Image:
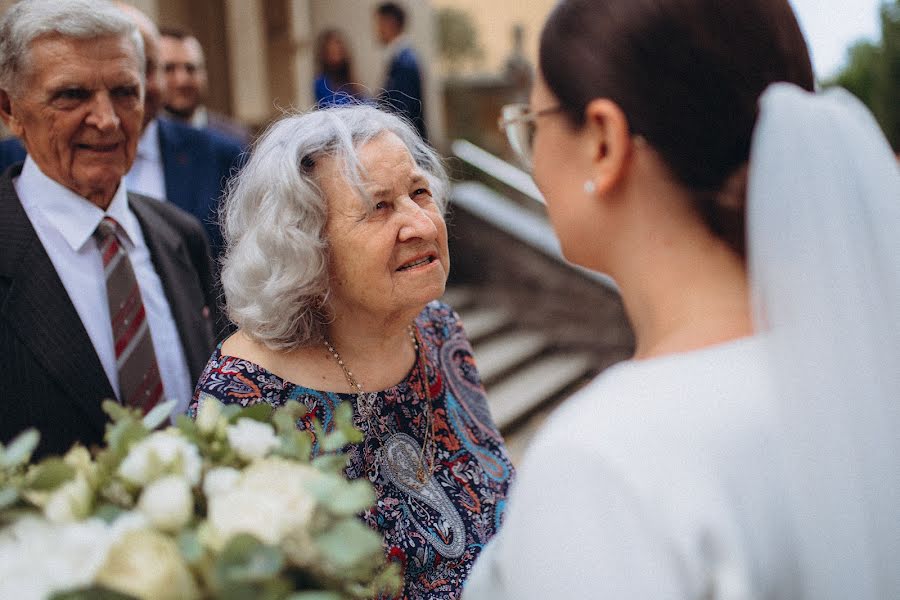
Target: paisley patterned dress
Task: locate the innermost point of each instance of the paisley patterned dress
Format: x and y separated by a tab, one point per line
436	530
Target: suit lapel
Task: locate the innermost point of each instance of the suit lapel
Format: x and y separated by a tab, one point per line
37	307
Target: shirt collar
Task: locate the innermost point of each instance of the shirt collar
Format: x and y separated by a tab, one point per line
148	145
74	217
396	45
200	118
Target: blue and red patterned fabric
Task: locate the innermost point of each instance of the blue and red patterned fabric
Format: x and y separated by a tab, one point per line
436	530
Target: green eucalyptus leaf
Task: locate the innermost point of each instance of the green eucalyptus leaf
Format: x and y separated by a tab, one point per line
231	412
19	450
349	544
116	411
190	546
351	497
295	409
334	441
49	475
246	559
108	512
124	434
283	421
261	411
158	415
8	497
343	422
331	463
92	593
188	427
315	596
296	445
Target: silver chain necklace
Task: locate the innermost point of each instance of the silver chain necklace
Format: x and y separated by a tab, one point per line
366	406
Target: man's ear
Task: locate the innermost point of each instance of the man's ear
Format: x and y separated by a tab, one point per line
6	113
610	140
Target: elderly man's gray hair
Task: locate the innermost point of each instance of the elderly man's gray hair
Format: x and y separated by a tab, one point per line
28	20
275	270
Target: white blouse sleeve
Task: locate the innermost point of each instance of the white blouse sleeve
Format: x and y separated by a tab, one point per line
576	529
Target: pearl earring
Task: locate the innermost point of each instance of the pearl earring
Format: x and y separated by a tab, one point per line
590	187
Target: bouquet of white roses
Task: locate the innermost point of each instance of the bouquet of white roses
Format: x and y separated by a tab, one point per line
228	506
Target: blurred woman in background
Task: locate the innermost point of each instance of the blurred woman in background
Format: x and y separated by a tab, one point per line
335	82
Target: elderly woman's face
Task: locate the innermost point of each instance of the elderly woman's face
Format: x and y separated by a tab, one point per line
393	259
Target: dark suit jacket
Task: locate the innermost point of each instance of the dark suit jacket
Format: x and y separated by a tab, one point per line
403	89
52	377
196	165
11	152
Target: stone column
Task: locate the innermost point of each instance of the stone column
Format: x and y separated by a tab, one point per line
246	34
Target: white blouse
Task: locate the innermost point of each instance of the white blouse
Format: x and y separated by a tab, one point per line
661	479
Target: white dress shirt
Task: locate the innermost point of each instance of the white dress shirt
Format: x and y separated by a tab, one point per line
146	175
65	223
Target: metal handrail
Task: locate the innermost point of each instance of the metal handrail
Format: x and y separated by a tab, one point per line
498	168
505	214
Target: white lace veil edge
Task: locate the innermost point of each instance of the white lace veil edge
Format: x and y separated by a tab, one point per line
823	228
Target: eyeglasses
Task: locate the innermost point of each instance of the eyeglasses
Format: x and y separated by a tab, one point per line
519	123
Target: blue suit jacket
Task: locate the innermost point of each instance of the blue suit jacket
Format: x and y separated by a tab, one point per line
11	152
196	165
403	89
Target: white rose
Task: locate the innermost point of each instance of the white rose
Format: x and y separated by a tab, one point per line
147	564
39	558
161	453
270	501
168	502
219	480
208	412
251	439
69	502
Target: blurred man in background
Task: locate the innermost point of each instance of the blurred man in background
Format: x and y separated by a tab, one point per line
184	67
403	91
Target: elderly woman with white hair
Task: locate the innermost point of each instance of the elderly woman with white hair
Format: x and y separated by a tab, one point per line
336	253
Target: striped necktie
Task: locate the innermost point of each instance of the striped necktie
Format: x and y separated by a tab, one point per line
140	385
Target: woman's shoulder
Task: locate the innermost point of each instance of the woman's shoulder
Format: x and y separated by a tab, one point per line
234	380
439	322
672	408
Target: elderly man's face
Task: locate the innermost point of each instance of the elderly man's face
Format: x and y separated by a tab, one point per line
79	112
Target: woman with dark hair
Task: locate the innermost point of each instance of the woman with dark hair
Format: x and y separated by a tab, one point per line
335	82
749	449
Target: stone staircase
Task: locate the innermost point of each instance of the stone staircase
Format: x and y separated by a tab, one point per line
521	367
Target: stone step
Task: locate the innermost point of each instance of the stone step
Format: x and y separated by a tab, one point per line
459	297
481	322
501	353
524	391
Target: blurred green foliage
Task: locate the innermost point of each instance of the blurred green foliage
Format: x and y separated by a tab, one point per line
872	73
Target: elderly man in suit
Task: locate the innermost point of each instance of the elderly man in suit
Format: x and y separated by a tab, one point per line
103	293
174	162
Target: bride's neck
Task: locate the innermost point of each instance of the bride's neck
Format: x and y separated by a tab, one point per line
687	298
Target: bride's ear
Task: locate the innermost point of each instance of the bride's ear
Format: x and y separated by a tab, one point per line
609	143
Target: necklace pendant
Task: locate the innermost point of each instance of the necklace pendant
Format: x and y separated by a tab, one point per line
421	476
